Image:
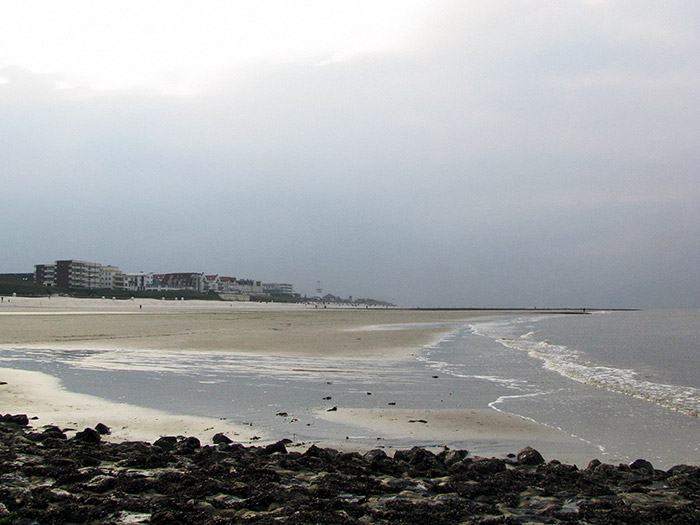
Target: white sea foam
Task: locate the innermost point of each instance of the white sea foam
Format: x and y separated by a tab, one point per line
501	399
427	356
209	365
574	365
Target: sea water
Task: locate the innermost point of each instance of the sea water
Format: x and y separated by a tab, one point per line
623	383
626	382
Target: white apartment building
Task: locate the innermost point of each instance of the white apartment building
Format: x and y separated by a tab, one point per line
212	283
278	288
248	286
138	282
111	278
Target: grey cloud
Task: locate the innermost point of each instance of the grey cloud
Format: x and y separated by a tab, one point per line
535	158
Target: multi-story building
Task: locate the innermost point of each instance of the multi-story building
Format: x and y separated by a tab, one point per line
82	274
249	286
69	274
183	281
77	274
278	288
231	285
138	282
212	283
111	278
228	284
45	274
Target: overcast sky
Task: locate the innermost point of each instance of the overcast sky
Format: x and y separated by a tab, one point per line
430	153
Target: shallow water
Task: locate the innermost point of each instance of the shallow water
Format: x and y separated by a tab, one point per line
623	381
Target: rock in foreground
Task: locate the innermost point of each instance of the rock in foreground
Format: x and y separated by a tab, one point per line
46	478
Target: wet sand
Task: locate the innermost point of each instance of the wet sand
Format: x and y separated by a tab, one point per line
488	432
42	397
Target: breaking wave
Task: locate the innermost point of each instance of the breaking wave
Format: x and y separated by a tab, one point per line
572	364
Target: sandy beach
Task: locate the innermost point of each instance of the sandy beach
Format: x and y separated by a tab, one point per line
255	328
242	328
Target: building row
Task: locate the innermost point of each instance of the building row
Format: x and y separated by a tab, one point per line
79	274
90	275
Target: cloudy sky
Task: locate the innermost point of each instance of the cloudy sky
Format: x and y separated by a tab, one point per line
431	153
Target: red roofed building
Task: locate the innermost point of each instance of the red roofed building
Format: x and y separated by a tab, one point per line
183	281
212	283
228	284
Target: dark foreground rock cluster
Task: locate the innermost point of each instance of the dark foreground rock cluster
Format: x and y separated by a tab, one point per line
47	478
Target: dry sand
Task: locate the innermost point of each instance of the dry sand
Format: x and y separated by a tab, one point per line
269	329
251	328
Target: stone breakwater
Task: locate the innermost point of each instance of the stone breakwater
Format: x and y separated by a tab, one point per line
45	477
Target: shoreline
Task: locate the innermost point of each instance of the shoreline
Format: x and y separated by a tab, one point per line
252	330
488	432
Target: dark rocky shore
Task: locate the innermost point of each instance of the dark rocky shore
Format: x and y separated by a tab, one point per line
47	478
